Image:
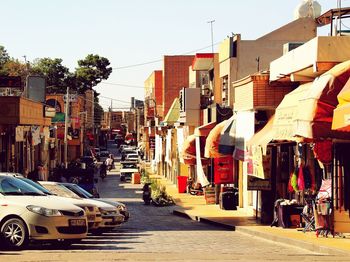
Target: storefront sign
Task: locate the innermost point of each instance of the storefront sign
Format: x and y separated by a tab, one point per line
223	170
19	134
259	177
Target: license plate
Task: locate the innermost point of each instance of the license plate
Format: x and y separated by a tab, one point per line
90	217
77	222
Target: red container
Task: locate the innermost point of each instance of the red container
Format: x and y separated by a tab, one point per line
182	184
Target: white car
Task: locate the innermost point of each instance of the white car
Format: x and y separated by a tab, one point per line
111	217
28	214
92	212
132	157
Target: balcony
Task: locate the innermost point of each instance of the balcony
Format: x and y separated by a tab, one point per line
17	110
310	60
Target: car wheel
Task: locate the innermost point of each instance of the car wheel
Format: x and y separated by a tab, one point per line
14	233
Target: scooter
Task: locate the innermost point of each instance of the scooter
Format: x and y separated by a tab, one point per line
195	189
146	194
103	171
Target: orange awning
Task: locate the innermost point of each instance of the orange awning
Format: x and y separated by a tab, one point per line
204	130
189	150
315	114
213	140
341	115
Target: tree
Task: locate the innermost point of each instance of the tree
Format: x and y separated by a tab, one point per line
57	75
14	67
4	56
91	71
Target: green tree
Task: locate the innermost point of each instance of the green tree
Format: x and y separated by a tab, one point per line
91	71
14	67
4	56
57	75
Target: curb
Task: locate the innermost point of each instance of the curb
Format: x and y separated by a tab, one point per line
203	220
267	236
293	242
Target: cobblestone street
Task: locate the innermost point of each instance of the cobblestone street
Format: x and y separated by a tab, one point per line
154	233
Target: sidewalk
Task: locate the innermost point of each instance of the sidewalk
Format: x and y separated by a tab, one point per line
195	208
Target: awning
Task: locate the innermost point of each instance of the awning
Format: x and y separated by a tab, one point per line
341	115
227	138
203	61
213	139
257	147
284	126
173	114
315	114
188	152
204	129
263	137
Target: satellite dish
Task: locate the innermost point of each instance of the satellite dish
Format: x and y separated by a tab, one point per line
307	8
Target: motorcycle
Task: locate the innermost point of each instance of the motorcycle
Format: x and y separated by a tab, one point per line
146	193
103	171
195	189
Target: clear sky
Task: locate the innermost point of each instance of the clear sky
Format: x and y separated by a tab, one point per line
131	32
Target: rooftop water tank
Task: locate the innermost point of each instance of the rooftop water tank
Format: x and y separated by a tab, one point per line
307	8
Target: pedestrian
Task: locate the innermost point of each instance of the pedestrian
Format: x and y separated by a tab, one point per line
109	163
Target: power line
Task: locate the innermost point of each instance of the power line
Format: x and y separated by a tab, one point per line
160	60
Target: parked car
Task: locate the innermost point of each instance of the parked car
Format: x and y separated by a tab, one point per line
93	213
104	155
84	194
28	214
111	217
132	157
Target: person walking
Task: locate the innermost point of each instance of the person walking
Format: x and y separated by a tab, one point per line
109	162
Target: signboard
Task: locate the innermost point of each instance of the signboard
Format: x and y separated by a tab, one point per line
36	88
223	170
256	182
72	98
152	142
10	82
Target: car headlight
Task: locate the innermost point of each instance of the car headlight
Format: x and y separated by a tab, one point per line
44	211
121	207
108	212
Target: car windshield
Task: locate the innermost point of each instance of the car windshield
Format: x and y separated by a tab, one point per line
60	190
14	186
78	190
36	185
132	156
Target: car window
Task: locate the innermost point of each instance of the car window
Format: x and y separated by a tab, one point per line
79	191
14	186
60	190
36	185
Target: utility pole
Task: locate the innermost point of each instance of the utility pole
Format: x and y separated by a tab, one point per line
212	38
66	109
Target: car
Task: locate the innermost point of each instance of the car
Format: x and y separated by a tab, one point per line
89	161
93	214
85	194
27	214
126	173
104	155
132	157
111	217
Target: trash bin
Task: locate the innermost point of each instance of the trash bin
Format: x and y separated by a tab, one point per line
229	199
136	178
182	184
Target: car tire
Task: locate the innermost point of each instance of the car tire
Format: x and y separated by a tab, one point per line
14	234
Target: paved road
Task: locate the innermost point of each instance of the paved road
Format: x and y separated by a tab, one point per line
154	234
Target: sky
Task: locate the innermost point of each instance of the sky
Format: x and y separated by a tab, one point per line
133	32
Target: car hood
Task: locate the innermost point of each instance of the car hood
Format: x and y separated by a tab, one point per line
110	202
74	201
102	205
42	201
